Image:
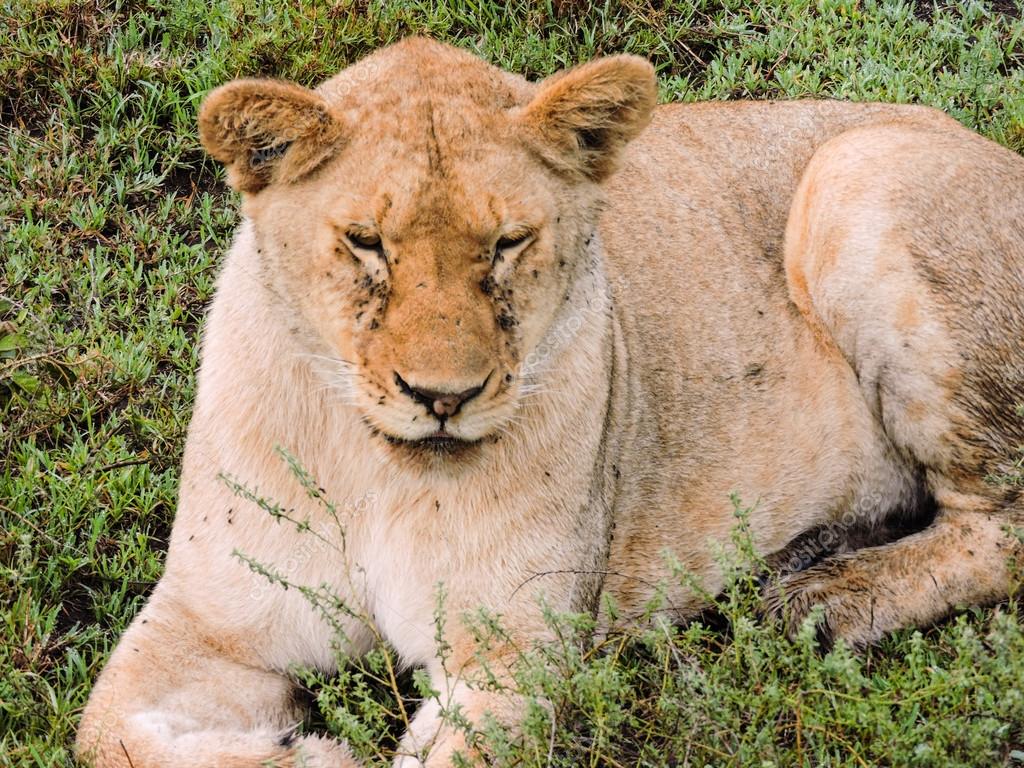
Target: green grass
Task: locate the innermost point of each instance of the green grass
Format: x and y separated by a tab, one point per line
113	224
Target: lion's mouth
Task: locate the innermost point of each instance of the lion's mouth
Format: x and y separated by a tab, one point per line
440	443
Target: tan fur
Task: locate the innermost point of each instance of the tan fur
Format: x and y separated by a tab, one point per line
815	305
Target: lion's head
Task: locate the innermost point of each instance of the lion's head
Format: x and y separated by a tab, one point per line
425	215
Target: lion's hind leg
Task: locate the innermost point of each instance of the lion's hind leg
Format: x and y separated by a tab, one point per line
168	697
903	255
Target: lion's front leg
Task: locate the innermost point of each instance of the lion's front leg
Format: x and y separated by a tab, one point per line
445	725
174	695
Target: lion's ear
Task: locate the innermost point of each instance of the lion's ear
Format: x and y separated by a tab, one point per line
580	119
267	130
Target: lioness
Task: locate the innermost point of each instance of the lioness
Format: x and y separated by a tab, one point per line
529	337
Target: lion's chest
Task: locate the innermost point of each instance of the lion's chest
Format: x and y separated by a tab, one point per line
422	561
430	558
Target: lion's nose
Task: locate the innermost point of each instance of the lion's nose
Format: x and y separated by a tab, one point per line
441	404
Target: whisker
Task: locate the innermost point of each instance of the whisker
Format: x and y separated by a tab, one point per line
533	391
326	358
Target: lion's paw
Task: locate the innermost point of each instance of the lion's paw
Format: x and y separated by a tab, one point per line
851	609
321	752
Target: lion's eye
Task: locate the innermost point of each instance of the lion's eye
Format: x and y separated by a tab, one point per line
512	242
369	241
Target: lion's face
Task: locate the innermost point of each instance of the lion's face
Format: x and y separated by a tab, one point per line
427	232
431	290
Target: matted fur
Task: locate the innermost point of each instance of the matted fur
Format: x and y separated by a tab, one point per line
813	304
